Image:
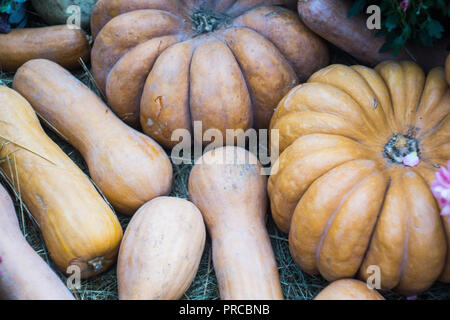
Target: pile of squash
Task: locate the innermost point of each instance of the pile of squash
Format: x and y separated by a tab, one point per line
359	151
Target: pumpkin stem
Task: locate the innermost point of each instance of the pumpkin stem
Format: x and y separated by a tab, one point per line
96	264
205	20
400	147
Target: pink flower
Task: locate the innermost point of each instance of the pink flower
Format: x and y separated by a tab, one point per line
441	189
404	5
411	160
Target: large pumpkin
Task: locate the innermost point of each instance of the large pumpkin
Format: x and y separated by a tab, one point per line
226	63
347	186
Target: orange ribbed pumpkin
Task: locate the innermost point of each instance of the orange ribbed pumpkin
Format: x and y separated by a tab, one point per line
167	63
342	189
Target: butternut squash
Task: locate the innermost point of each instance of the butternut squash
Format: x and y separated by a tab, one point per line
227	186
161	250
23	274
129	167
78	226
348	289
57	43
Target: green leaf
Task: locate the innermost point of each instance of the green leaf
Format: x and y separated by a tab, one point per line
381	33
392	22
428	3
357	8
398	44
5	7
385	4
406	33
8	6
425	38
434	28
412	17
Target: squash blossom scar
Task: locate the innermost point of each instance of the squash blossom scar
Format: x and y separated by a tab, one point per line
411	160
403	149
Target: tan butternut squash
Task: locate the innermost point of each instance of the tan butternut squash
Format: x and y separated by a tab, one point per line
129	167
227	186
57	43
161	250
348	289
78	226
23	274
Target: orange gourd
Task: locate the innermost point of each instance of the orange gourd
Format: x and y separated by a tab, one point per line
58	43
161	250
360	147
227	186
348	289
167	63
128	167
78	226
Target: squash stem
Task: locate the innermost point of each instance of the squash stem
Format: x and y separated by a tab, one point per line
96	264
205	20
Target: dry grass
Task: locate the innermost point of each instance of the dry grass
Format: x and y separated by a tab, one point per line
295	283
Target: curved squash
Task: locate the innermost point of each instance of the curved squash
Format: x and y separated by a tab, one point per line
129	167
57	43
227	186
161	250
78	226
348	289
360	147
23	274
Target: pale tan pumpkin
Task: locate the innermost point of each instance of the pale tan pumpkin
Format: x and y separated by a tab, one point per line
23	274
161	250
228	187
341	189
78	226
348	289
168	63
